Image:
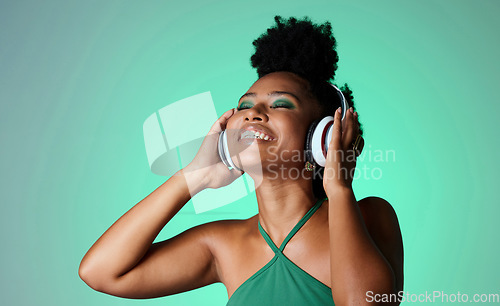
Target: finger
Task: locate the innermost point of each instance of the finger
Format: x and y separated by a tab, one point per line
220	124
348	129
335	142
355	133
356	123
344	121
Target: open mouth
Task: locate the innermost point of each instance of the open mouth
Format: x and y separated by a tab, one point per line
254	134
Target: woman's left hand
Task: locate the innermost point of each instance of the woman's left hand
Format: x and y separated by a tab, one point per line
341	159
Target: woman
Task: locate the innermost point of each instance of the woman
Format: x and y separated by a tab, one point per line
337	249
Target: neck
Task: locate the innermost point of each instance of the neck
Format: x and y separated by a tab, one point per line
282	203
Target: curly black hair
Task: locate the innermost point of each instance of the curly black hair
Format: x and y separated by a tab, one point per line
308	50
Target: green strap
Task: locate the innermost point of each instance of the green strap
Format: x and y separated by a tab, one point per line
294	230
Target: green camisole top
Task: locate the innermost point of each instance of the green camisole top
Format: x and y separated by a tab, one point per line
280	281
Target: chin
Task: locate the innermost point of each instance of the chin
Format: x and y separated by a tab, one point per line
255	156
249	159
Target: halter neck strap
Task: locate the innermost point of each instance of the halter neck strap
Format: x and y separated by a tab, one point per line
294	230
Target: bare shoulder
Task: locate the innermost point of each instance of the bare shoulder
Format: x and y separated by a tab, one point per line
220	236
224	236
216	232
380	219
228	228
383	226
229	242
378	214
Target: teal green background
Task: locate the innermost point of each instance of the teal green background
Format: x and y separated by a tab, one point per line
78	79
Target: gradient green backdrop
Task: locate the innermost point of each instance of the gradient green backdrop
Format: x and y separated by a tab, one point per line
78	79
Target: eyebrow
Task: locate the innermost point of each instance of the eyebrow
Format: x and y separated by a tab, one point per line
272	93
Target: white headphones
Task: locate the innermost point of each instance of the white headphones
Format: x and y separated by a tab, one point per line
317	139
224	151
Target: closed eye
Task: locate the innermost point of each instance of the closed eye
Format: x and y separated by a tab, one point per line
242	107
280	105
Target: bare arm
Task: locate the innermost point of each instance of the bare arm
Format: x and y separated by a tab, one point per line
365	240
124	262
366	258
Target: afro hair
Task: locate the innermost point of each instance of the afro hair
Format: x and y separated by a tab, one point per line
308	50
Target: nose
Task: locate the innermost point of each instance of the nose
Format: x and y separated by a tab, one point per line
256	113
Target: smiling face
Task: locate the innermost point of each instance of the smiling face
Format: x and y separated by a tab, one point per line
270	125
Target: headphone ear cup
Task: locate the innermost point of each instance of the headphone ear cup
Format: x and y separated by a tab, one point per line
309	144
221	149
224	154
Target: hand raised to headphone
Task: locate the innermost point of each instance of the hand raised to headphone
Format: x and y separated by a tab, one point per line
206	170
341	159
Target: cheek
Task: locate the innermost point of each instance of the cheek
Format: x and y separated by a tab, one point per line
300	126
294	135
232	130
230	124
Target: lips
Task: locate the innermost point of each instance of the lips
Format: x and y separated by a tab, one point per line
256	132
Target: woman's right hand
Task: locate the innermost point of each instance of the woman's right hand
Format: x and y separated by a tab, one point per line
206	170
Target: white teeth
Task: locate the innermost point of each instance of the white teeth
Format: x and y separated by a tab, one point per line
255	134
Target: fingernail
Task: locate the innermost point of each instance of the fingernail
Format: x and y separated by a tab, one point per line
339	110
356	114
350	109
